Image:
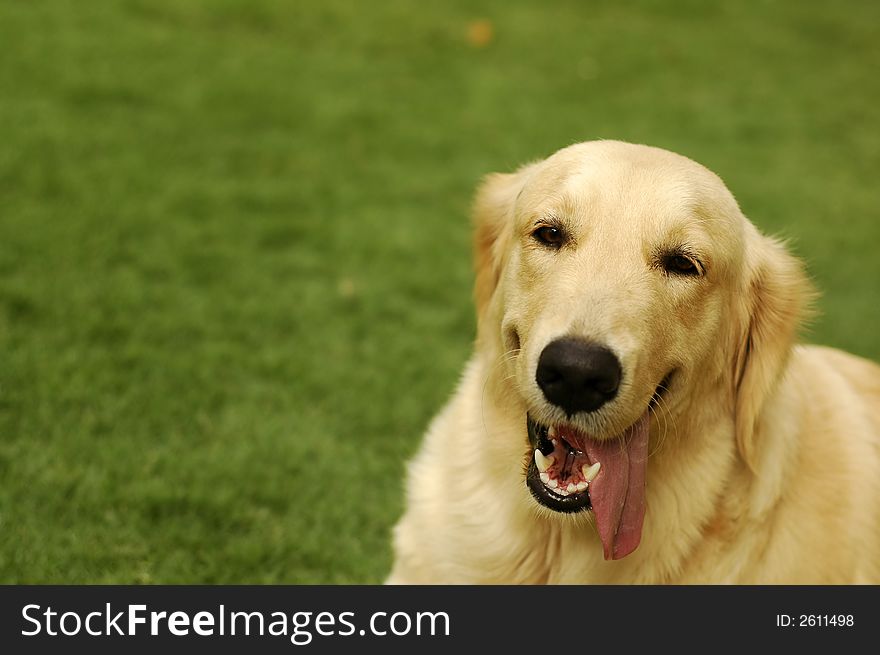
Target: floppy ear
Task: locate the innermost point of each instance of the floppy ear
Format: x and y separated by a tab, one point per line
778	300
493	230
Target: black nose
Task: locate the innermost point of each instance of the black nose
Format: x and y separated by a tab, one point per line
577	375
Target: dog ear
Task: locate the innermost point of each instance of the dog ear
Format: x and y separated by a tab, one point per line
493	230
778	300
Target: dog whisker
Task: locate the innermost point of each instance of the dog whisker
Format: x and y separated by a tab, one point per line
660	403
502	360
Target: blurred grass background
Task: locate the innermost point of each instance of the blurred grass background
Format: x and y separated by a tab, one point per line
235	253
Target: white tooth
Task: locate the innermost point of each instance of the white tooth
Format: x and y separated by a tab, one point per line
543	463
553	484
571	488
582	486
590	472
545	478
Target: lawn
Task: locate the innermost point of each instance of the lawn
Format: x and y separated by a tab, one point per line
235	252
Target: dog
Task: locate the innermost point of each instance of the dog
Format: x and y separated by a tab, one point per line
636	409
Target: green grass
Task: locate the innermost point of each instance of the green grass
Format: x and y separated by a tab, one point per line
234	246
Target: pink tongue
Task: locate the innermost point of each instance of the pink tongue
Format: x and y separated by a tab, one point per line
618	492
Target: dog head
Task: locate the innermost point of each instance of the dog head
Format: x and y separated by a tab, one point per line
615	280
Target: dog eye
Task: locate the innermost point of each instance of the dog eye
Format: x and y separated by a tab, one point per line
680	265
550	236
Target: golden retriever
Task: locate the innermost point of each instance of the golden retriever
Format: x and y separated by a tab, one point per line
636	409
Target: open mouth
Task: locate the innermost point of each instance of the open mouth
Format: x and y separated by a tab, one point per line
570	471
559	473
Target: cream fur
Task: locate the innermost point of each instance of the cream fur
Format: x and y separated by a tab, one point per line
765	464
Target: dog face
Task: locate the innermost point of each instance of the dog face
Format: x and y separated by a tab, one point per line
614	280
